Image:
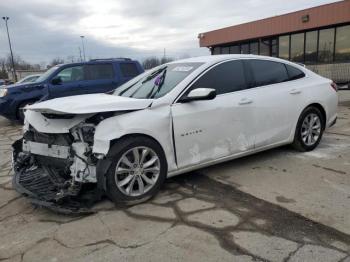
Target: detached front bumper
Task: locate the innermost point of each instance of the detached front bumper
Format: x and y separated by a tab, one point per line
44	188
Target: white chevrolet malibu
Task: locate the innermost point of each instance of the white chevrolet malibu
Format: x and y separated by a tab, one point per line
178	117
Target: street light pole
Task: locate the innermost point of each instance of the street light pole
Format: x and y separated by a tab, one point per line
82	41
6	18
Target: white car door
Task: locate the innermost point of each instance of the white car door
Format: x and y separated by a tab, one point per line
276	101
211	129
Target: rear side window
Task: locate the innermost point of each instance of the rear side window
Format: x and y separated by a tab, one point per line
268	72
224	78
129	69
294	73
100	71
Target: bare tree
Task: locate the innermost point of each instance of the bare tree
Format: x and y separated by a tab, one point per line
56	61
151	62
3	71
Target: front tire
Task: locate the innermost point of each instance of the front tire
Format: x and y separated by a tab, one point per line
309	131
138	170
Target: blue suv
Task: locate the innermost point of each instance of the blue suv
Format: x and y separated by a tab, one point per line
95	76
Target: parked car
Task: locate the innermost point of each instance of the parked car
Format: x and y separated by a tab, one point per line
29	79
2	82
178	117
95	76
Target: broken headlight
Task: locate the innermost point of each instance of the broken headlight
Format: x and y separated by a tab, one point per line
87	133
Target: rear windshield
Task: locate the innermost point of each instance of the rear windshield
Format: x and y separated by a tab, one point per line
157	82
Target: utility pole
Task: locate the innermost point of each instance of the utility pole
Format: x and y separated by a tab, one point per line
81	59
82	41
6	18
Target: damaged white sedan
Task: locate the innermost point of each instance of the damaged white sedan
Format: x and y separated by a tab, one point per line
173	119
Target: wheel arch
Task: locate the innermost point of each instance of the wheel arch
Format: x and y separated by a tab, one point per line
322	110
114	141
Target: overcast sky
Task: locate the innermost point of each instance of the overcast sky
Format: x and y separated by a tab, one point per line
44	29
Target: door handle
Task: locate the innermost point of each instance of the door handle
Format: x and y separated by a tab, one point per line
245	101
295	91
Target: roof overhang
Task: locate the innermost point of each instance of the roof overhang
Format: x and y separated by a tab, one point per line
316	17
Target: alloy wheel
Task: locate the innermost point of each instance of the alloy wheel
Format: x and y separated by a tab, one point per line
311	129
137	171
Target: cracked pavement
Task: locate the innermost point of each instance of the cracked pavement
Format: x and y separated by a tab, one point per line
252	209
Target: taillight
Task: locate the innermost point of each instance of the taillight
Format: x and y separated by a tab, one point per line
334	86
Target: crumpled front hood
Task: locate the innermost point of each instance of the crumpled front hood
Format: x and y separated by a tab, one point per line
89	104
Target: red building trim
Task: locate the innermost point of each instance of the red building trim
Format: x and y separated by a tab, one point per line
316	17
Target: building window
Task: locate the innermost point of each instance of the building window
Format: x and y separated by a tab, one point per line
297	47
225	50
216	50
311	47
274	47
235	49
342	46
326	45
245	49
254	48
283	47
265	47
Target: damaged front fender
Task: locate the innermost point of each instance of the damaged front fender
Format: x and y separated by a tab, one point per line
152	122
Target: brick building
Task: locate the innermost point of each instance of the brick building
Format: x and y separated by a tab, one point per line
318	37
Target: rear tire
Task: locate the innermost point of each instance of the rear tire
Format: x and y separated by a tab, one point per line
309	130
138	170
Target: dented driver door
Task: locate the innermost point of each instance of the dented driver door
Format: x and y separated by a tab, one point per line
205	131
208	130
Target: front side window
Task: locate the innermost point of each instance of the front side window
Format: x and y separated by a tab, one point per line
326	45
71	74
157	82
342	46
224	78
99	72
268	72
297	47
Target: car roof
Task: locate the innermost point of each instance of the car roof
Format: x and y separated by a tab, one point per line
100	60
219	58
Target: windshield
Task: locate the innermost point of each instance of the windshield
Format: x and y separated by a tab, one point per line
44	76
157	82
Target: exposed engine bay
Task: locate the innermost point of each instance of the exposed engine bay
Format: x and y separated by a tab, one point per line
64	159
58	171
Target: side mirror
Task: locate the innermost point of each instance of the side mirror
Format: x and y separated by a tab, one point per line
56	80
199	94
